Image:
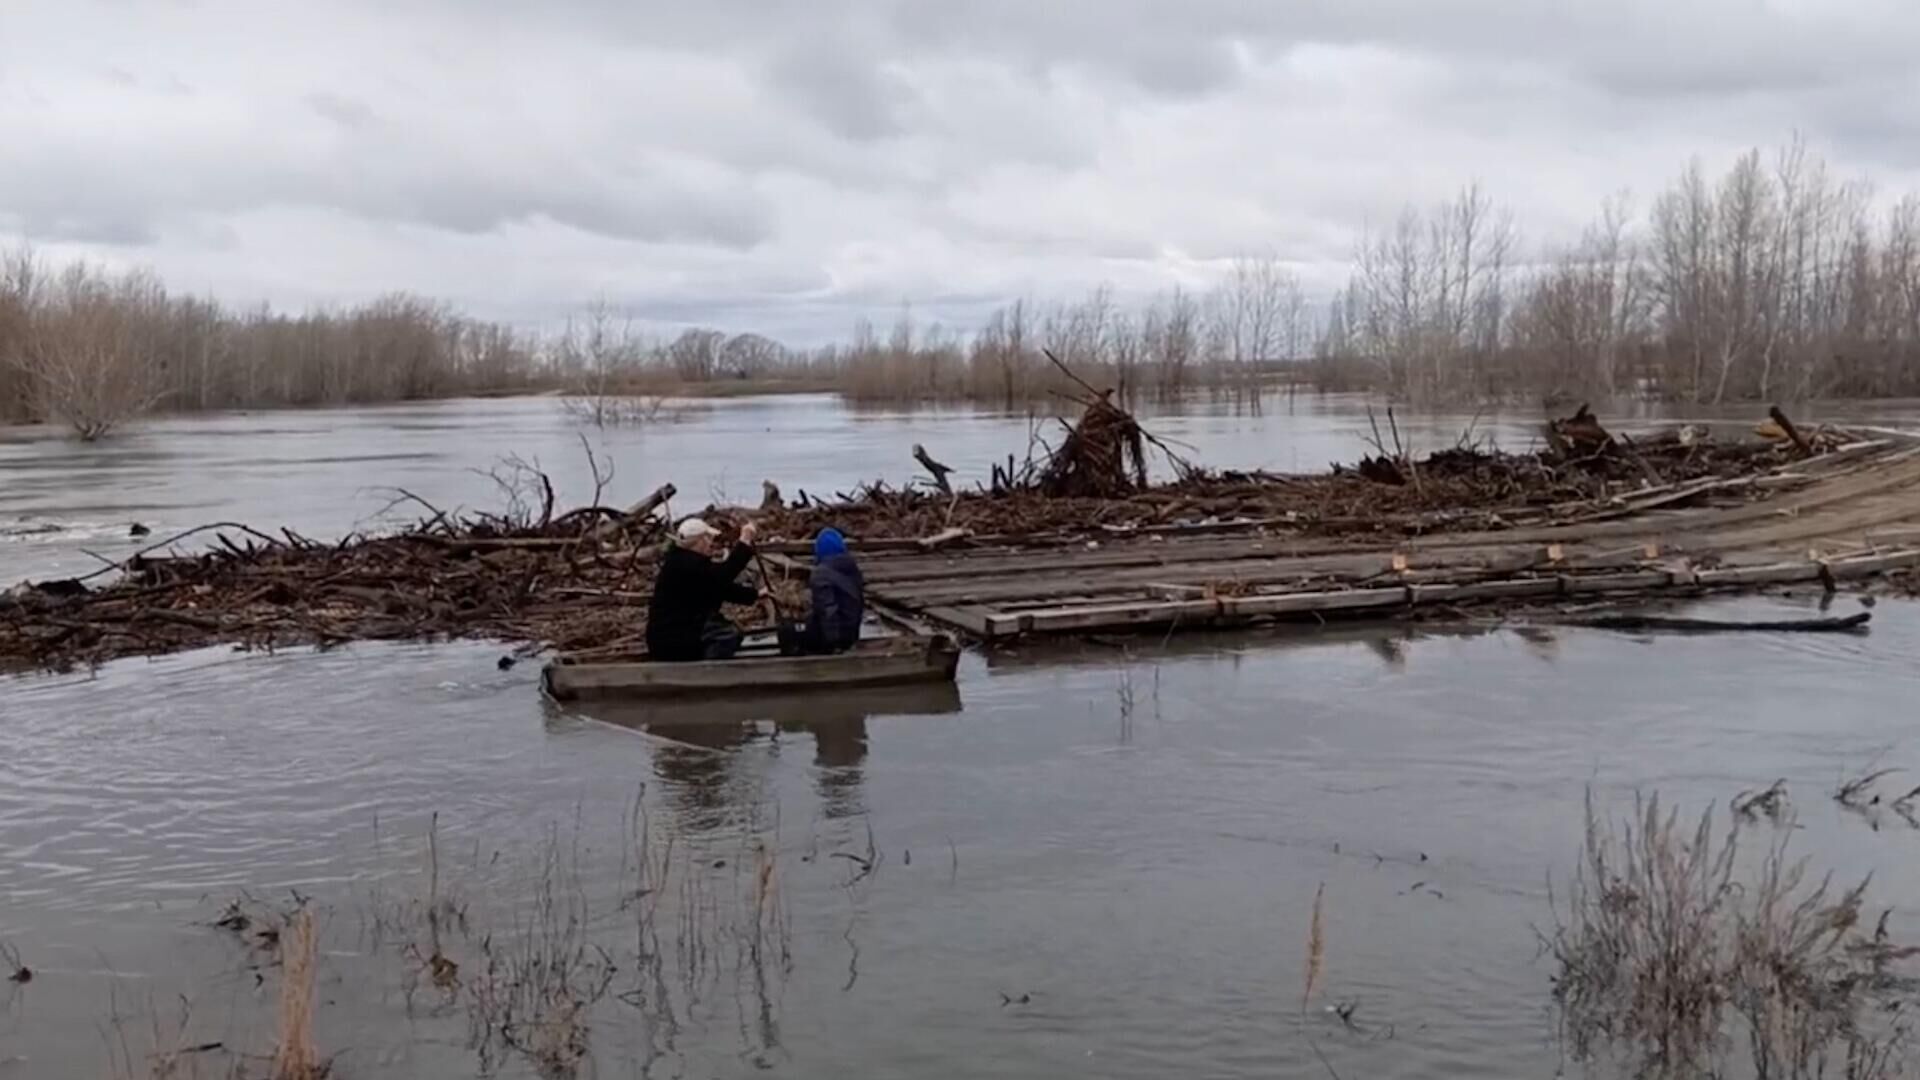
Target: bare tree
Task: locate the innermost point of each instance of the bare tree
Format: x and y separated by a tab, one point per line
1259	312
19	287
695	354
1172	336
749	356
86	356
600	356
1001	357
1427	305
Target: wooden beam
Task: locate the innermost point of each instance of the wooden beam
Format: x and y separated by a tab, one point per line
972	620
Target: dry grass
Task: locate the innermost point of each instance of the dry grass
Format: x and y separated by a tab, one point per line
296	1058
533	987
16	971
1316	949
167	1050
533	974
1667	954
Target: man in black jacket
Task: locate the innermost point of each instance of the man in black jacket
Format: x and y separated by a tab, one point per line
836	601
683	619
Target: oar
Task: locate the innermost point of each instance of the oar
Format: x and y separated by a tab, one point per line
760	563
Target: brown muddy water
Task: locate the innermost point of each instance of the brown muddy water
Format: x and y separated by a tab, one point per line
1079	862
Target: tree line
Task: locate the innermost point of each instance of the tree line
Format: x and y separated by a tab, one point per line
1773	280
91	348
1232	338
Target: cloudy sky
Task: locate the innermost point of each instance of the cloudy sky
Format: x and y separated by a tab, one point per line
789	166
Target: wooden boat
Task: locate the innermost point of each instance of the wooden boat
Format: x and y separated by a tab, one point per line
887	661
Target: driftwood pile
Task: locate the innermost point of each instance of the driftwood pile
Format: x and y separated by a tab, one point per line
1458	488
1104	456
573	580
580	580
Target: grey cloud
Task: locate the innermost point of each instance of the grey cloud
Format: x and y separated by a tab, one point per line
846	92
647	212
786	167
80	190
104	228
344	111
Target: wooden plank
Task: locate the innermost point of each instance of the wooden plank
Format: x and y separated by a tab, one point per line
1176	581
1515	589
1105	617
1642	581
1361	568
999	589
1317	602
1118	554
899	617
1162	612
1865	565
1770	574
970	619
1173	590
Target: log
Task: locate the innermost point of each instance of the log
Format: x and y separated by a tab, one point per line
1836	624
638	510
943	538
937	470
1800	442
652	502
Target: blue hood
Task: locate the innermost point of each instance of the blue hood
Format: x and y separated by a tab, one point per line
828	544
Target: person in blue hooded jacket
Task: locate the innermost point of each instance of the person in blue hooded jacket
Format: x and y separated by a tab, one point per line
837	594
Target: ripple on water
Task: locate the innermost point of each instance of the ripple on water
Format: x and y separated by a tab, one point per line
196	773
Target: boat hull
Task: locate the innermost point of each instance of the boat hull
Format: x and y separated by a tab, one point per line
882	662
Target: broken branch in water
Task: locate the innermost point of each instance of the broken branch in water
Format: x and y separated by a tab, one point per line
1770	802
176	538
1850	792
1835	624
438	517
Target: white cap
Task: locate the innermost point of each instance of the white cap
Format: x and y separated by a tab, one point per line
693	529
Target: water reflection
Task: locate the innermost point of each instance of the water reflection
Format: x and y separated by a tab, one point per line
1389	641
700	758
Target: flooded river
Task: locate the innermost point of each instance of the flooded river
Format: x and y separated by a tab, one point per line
1083	861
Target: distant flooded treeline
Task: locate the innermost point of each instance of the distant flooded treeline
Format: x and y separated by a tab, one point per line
91	348
1772	281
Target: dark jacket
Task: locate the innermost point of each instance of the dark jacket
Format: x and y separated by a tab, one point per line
688	592
836	589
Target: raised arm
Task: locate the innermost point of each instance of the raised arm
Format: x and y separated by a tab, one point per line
728	571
